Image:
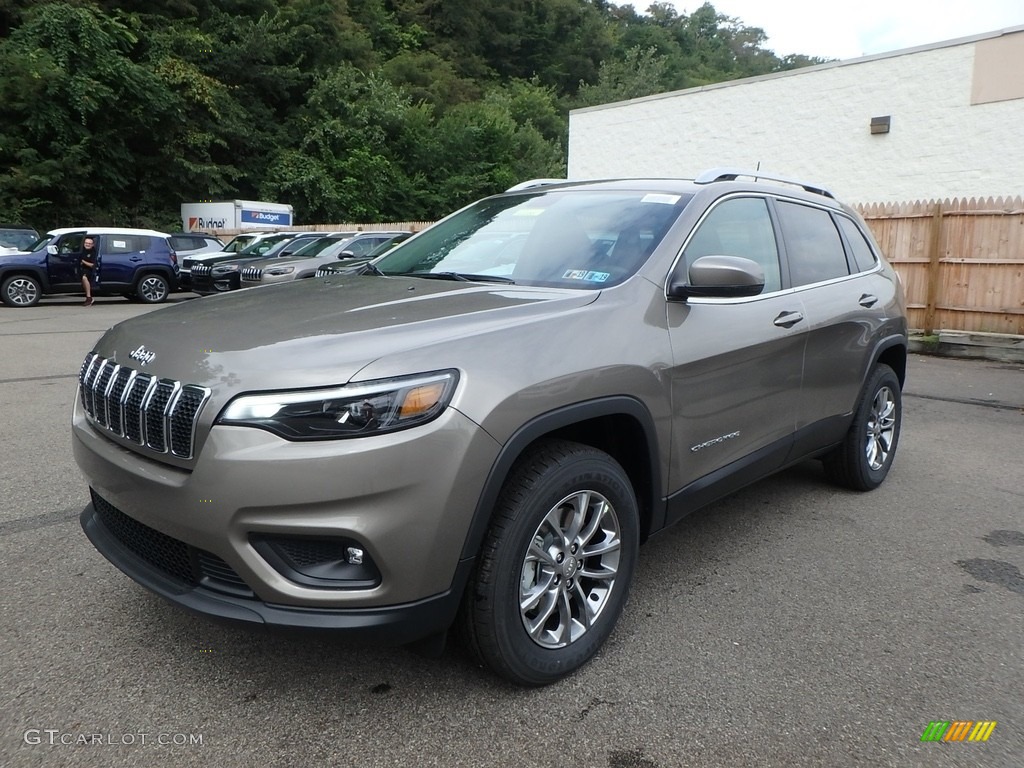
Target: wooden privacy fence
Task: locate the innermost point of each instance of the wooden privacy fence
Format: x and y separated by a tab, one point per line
961	261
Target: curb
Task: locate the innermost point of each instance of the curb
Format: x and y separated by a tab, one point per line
999	347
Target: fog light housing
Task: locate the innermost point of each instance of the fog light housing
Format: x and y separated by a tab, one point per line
318	561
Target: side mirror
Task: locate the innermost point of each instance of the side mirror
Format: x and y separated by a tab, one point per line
52	250
717	276
346	255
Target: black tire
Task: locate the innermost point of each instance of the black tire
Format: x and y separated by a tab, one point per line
533	556
863	459
21	291
152	288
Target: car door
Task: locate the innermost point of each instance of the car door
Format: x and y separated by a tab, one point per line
120	256
62	266
845	303
737	363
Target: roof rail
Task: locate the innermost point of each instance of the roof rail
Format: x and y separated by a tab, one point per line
731	174
534	183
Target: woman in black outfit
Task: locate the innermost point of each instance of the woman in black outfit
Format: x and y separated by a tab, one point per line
87	268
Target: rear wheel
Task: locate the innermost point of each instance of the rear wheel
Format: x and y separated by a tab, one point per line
556	565
21	291
863	459
152	289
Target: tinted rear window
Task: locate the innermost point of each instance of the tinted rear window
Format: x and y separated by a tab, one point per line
813	244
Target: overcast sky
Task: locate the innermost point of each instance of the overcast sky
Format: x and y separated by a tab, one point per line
840	29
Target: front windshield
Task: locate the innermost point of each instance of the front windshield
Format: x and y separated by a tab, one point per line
38	244
566	238
320	245
260	247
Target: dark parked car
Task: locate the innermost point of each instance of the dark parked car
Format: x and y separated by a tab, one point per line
139	264
482	437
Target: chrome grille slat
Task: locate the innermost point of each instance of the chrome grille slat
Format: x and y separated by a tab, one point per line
103	382
156	415
115	407
135	424
155	407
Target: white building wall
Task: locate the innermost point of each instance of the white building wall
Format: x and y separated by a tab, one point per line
813	124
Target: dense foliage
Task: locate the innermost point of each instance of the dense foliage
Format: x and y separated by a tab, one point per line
351	110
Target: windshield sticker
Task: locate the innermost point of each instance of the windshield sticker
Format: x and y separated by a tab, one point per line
120	244
590	277
664	199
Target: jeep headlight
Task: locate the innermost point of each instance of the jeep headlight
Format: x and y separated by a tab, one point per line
280	270
355	410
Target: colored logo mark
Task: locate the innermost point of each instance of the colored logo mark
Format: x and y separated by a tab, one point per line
958	730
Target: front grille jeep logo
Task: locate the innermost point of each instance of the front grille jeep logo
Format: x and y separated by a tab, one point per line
143	355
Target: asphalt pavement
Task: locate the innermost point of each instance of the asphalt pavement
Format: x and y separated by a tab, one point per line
793	624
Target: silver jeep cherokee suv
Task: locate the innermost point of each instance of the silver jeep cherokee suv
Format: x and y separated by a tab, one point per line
481	437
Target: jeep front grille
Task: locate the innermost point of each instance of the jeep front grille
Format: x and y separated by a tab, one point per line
252	273
201	269
157	414
324	272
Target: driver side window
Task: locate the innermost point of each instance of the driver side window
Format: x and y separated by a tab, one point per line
71	244
739	227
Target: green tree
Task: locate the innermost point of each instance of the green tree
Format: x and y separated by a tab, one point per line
74	106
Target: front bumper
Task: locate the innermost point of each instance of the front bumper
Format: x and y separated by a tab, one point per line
194	537
206	284
391	625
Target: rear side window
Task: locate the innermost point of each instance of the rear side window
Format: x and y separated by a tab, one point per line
125	243
813	244
862	253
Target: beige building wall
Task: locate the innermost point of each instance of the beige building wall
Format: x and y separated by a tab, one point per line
955	113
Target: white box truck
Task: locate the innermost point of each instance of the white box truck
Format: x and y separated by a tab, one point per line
235	214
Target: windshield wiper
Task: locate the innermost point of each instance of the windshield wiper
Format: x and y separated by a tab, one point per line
372	268
460	276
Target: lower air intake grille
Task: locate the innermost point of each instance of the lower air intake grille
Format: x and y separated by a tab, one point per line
181	561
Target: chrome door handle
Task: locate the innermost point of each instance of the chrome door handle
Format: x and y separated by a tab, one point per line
867	300
788	319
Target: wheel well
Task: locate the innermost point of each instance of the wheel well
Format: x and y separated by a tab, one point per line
896	358
24	272
147	271
623	438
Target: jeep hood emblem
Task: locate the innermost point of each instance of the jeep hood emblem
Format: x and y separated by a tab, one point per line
142	354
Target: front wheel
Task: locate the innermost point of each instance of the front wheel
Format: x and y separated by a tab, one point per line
863	459
152	289
556	565
21	291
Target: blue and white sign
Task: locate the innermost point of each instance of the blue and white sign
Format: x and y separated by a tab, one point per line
267	218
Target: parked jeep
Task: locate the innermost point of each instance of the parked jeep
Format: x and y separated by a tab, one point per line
136	263
482	437
333	249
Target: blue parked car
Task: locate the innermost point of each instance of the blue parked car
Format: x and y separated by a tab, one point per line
139	264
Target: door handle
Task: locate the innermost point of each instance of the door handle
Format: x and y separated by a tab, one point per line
135	258
788	319
867	300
